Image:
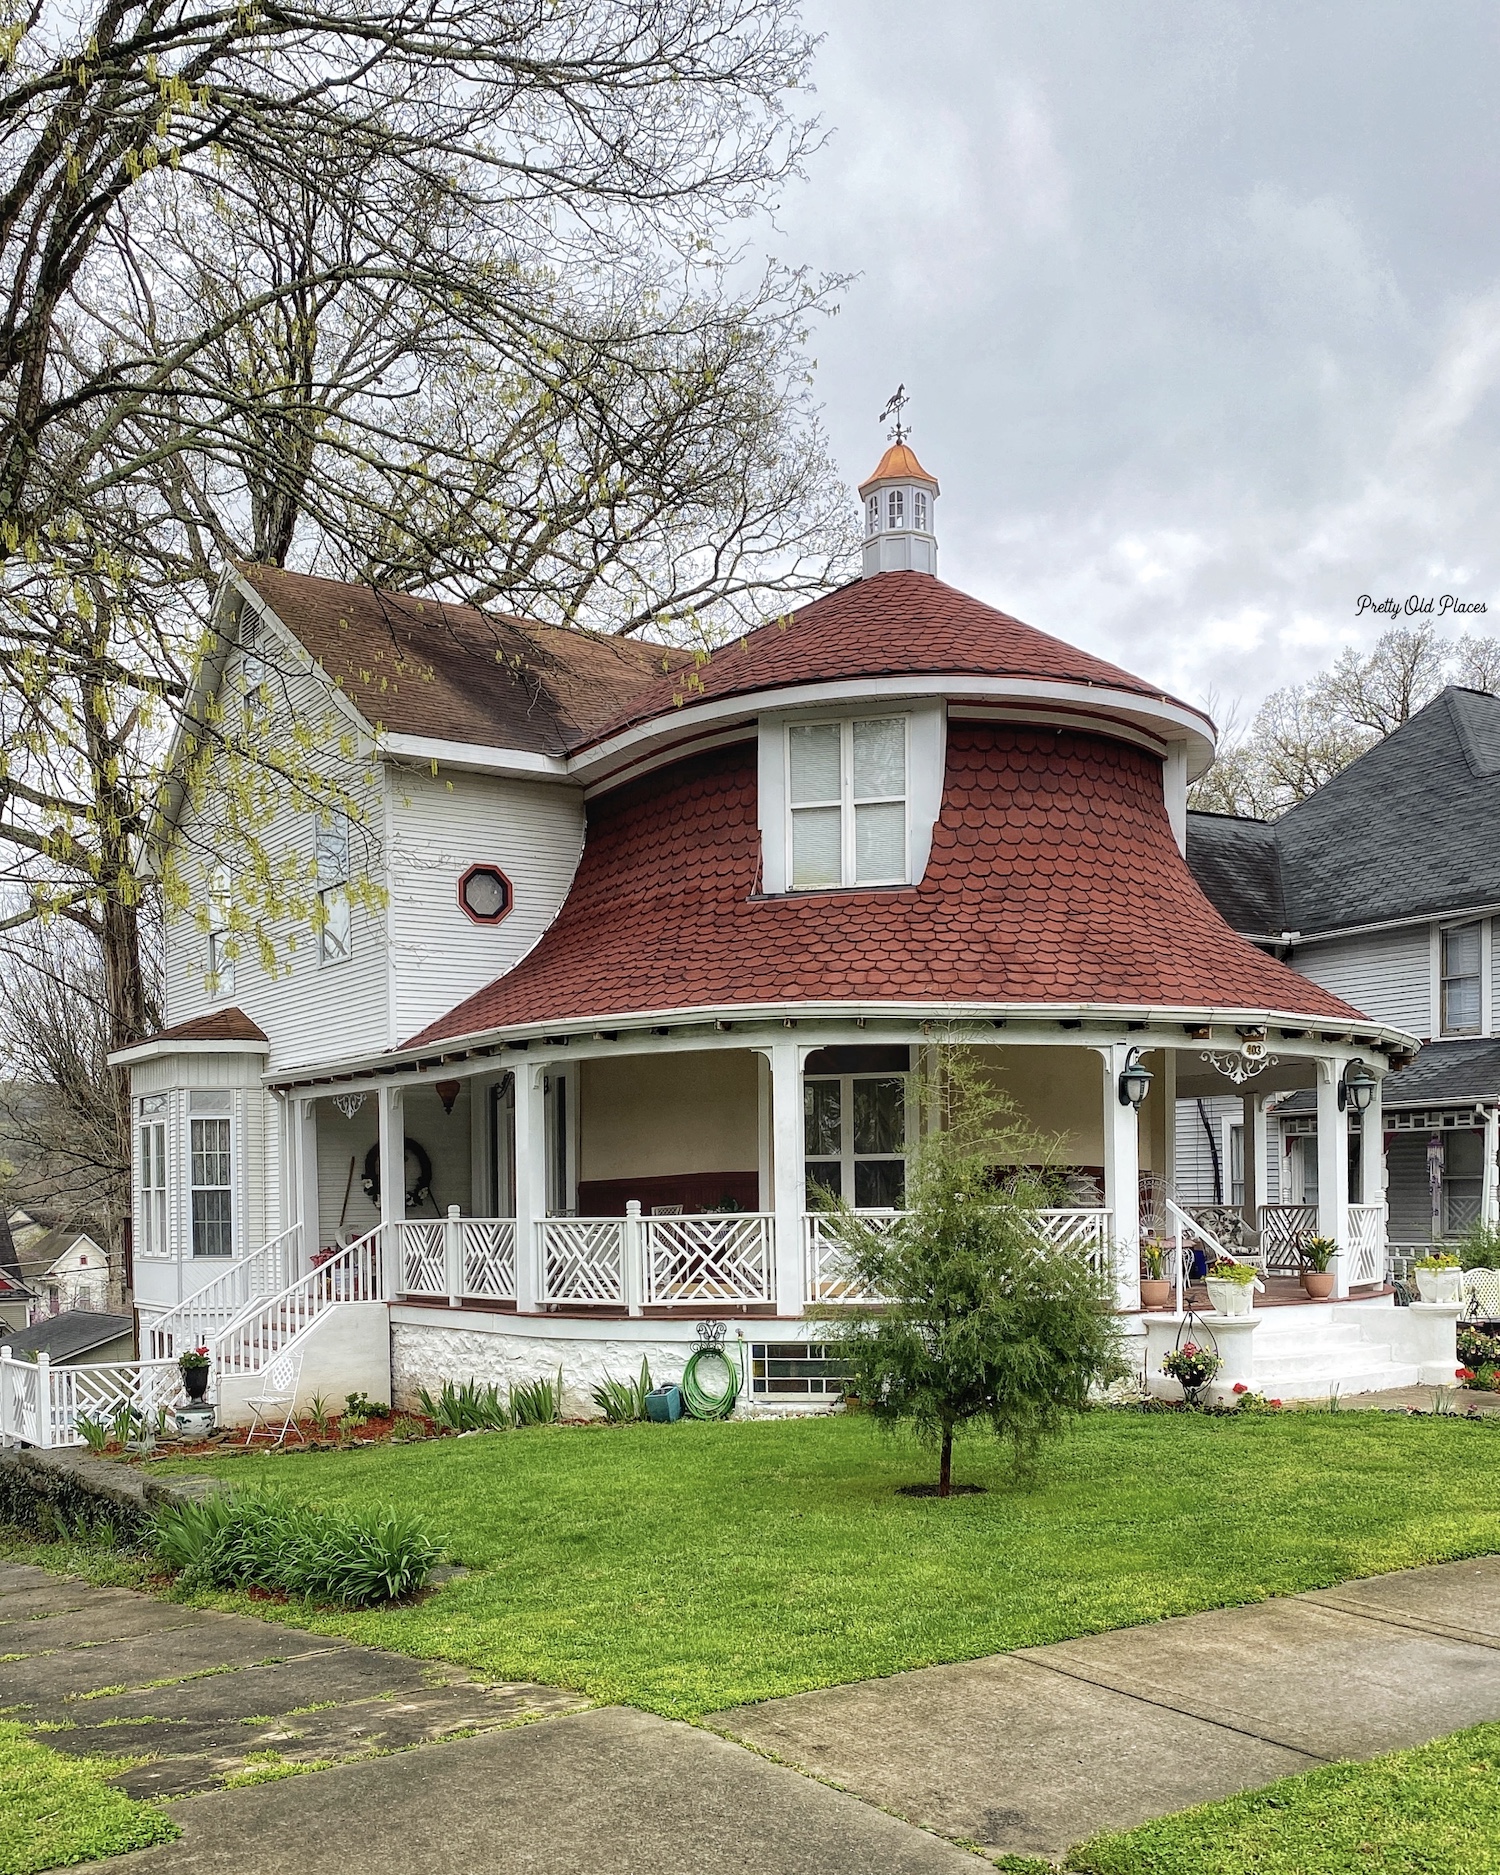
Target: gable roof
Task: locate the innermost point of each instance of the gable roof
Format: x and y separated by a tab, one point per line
423	667
889	625
1403	832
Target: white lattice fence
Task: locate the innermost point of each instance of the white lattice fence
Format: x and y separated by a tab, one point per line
1366	1229
21	1416
583	1259
1080	1229
1284	1228
710	1258
488	1258
826	1275
105	1391
423	1271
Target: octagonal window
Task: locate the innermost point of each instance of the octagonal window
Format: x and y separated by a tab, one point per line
484	894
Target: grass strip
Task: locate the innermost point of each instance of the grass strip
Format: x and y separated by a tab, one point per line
56	1810
1435	1809
696	1566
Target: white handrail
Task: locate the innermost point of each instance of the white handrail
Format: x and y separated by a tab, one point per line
223	1296
1191	1225
262	1329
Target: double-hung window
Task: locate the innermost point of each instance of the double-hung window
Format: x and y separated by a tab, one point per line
212	1185
1462	953
220	943
332	845
847	799
151	1211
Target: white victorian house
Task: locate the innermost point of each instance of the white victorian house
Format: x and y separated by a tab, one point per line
656	947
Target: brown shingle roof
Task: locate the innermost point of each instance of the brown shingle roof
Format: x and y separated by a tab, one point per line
1054	877
219	1025
421	667
891	625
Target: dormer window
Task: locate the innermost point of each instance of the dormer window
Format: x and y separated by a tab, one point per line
846	797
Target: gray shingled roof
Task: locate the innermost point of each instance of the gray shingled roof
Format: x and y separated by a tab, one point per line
1447	1072
1401	833
74	1332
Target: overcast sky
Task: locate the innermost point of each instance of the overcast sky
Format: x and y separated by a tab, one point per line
1198	305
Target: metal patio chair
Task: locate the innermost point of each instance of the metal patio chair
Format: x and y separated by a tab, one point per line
278	1389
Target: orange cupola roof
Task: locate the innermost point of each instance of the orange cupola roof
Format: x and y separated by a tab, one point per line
899	464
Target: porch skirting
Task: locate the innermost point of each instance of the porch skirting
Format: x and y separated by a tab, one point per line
428	1348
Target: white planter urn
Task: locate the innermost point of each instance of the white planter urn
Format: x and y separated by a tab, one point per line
1230	1298
1440	1285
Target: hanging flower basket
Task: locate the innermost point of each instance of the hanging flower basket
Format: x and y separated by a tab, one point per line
1193	1368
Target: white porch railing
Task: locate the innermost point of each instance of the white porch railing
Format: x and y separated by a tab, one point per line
1366	1244
199	1317
826	1276
42	1405
264	1328
1188	1231
713	1257
462	1258
583	1259
1284	1228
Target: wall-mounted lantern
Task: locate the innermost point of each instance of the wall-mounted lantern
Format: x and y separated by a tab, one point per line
1135	1081
1357	1089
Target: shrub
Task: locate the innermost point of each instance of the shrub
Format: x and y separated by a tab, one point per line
984	1320
270	1541
538	1402
1479	1247
467	1408
624	1400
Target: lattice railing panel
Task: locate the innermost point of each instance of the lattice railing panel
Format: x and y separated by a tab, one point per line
583	1259
1366	1244
1284	1228
1079	1229
488	1256
423	1267
712	1258
101	1391
826	1276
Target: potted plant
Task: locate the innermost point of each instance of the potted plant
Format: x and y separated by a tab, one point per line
1439	1278
193	1366
1156	1291
1317	1277
1192	1368
1231	1288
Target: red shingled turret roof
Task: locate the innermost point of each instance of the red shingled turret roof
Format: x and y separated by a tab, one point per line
891	625
1054	877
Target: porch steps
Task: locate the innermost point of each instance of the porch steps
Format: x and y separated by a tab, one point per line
1304	1357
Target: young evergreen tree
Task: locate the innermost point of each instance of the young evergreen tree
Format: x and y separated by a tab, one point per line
984	1323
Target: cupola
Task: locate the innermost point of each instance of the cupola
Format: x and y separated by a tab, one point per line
900	536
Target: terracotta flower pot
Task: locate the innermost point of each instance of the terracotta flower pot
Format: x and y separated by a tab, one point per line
1156	1292
1318	1284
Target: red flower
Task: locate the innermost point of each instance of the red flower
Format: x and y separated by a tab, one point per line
1240	1387
1273	1402
1463	1373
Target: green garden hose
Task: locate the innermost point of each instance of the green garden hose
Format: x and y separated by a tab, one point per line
704	1405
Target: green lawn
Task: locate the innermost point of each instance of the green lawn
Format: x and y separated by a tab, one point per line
1435	1810
684	1568
55	1809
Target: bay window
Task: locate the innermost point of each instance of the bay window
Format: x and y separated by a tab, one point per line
151	1209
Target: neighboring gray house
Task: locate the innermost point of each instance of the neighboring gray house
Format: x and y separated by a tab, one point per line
1384	887
75	1336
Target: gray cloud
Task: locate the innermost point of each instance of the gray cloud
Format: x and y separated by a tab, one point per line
1199	305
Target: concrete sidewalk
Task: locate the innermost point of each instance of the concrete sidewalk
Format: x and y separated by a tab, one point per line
1030	1752
510	1778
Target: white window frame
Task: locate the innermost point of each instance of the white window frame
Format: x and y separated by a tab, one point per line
847	1156
331	859
1476	925
152	1204
226	1120
846	803
220	962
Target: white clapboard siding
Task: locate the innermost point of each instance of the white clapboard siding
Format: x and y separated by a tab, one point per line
1193	1175
1386	975
311	1011
440	826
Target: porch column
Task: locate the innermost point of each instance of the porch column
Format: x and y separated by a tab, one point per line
302	1182
1333	1167
392	1182
1372	1149
1122	1177
1257	1172
1489	1190
790	1198
531	1183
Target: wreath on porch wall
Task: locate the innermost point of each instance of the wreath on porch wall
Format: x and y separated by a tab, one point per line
417	1192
